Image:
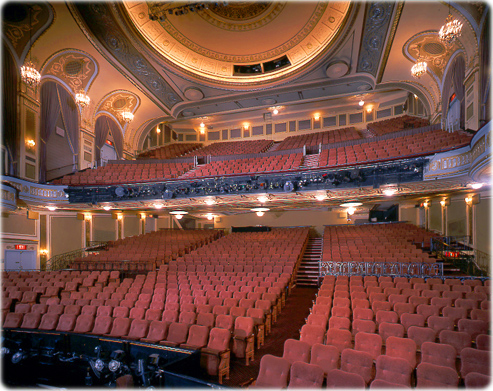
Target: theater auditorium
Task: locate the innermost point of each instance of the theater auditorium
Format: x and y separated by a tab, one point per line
242	194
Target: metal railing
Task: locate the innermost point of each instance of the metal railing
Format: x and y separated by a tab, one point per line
458	251
63	261
394	269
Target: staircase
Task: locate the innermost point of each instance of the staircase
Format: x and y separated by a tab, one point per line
310	161
188	174
307	274
273	147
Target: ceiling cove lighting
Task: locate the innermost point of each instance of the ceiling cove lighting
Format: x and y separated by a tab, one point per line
351	204
260	211
178	213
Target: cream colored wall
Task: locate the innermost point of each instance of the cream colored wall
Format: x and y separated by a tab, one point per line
457	220
18	224
130	226
162	222
483	225
436	215
104	228
66	235
409	214
317	219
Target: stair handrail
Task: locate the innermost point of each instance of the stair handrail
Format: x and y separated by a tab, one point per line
62	261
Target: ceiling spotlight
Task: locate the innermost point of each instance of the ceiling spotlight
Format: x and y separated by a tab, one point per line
209	201
178	213
351	204
275	111
475	186
350	211
51	208
158	206
320	197
210	216
263	199
389	191
361	102
107	207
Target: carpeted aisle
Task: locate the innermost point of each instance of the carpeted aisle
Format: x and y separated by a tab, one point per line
288	325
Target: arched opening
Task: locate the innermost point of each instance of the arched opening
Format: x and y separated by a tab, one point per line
109	140
59	132
453	96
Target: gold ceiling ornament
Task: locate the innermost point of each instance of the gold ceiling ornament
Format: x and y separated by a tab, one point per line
81	98
29	74
451	30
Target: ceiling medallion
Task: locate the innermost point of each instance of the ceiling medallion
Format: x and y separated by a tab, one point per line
337	69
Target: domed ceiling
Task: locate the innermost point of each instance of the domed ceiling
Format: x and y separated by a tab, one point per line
241	43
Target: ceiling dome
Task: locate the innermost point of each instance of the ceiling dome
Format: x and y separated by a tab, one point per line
242	42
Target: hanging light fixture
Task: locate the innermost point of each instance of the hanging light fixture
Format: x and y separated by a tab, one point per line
29	74
451	30
127	116
419	69
81	98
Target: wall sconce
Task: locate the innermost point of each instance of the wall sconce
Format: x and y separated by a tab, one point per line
468	200
119	216
87	216
369	109
316	116
445	202
142	216
43	252
442	202
30	143
158	130
246	126
426	204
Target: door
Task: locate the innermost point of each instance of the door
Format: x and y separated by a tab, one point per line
20	260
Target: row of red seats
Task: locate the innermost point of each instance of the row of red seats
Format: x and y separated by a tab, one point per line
418	144
357	351
396	124
326	137
169	151
232	148
252	165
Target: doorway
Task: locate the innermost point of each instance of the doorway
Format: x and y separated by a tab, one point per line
20	260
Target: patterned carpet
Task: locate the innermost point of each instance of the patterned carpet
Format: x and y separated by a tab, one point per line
287	326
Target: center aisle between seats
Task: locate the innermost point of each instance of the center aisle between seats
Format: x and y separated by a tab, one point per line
288	325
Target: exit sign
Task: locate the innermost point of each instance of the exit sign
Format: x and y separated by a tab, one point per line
20	247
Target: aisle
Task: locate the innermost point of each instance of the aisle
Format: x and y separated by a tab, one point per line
287	326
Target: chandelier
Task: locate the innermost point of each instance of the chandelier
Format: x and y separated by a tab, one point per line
127	116
82	99
29	74
451	30
419	69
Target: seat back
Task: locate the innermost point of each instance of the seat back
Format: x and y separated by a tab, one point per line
273	372
457	339
325	356
295	350
84	323
120	327
341	339
177	332
102	325
358	362
436	376
402	348
368	342
31	320
474	360
48	321
337	378
138	329
304	375
394	370
438	354
219	339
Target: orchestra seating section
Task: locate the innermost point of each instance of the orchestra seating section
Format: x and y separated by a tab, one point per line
146	251
327	137
396	242
244	166
232	148
169	151
125	173
390	332
219	286
393	125
399	147
356	151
